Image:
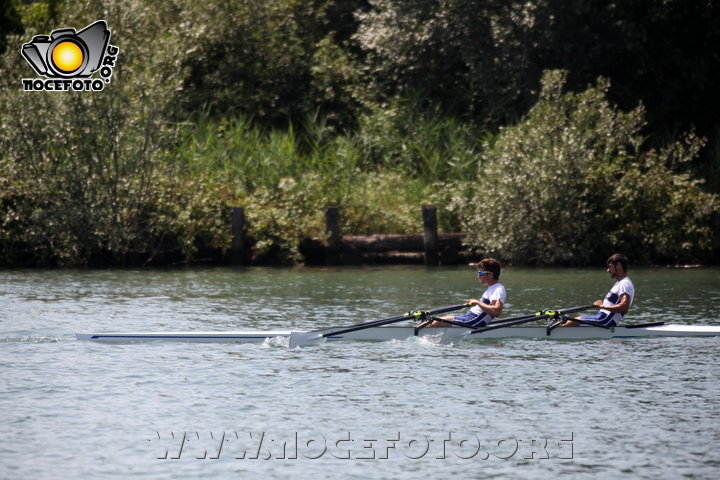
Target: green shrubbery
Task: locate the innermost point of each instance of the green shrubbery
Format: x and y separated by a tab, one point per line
286	179
86	177
573	181
288	121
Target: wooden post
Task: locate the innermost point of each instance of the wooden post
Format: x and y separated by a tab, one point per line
332	228
237	247
430	234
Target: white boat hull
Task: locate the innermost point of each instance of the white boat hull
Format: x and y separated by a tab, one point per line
445	335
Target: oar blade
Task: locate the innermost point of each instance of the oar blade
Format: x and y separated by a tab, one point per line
453	335
303	339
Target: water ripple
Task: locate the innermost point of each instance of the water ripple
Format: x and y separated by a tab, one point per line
641	408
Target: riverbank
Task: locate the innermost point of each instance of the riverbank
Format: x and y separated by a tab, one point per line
519	195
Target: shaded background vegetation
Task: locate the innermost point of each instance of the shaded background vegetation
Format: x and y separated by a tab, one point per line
551	132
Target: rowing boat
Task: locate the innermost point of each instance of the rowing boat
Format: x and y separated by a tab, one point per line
401	333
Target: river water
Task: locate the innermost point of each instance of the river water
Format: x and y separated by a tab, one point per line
635	408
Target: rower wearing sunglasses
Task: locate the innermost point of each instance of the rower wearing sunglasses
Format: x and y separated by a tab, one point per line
489	306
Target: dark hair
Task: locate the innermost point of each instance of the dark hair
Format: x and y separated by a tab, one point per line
618	258
491	265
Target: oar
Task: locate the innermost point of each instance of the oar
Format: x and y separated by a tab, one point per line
454	335
299	339
530	318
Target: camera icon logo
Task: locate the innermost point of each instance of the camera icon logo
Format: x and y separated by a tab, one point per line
68	54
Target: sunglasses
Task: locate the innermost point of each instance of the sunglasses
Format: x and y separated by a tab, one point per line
480	273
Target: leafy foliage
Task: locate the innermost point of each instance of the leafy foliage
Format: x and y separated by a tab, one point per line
419	141
376	106
273	60
484	59
569	183
666	215
86	173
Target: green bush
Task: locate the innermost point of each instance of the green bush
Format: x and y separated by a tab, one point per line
85	174
665	214
570	183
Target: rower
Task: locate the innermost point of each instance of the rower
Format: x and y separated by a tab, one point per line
617	301
489	306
